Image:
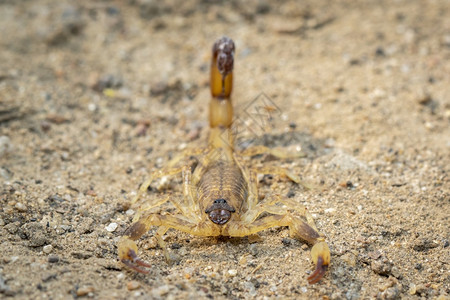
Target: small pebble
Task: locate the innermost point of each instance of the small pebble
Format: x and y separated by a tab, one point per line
286	242
111	227
329	210
5	145
47	249
83	291
232	272
349	258
161	291
20	207
164	184
133	285
412	289
381	267
53	258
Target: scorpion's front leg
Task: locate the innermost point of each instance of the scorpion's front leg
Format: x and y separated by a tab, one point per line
320	253
127	247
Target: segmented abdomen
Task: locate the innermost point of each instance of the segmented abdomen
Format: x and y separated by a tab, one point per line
222	180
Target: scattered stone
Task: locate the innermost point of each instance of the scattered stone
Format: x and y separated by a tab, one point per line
330	210
35	233
106	217
381	266
12	228
374	254
20	207
424	245
253	248
5	173
232	272
175	246
286	242
52	258
112	227
163	184
49	277
85	226
4	288
161	291
85	290
349	258
412	289
108	81
56	119
133	285
390	293
421	289
81	254
5	145
47	249
380	52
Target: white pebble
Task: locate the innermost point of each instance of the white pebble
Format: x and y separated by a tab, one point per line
92	107
330	210
20	207
232	272
111	227
47	249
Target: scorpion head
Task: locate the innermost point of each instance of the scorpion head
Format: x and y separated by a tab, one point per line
219	212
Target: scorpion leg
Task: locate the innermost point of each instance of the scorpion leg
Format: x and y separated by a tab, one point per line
320	253
155	175
127	247
256	150
283	172
186	153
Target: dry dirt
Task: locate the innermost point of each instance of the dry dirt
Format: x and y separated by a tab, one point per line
97	94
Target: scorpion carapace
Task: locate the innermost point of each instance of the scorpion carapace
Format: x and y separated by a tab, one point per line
220	196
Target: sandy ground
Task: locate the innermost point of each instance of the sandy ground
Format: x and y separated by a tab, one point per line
94	95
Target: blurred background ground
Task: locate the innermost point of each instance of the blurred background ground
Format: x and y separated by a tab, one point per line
94	95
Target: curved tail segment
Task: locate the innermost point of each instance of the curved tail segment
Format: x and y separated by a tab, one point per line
221	108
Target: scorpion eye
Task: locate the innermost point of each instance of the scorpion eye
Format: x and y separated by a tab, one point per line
222	201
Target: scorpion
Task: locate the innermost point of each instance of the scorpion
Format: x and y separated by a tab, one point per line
220	195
